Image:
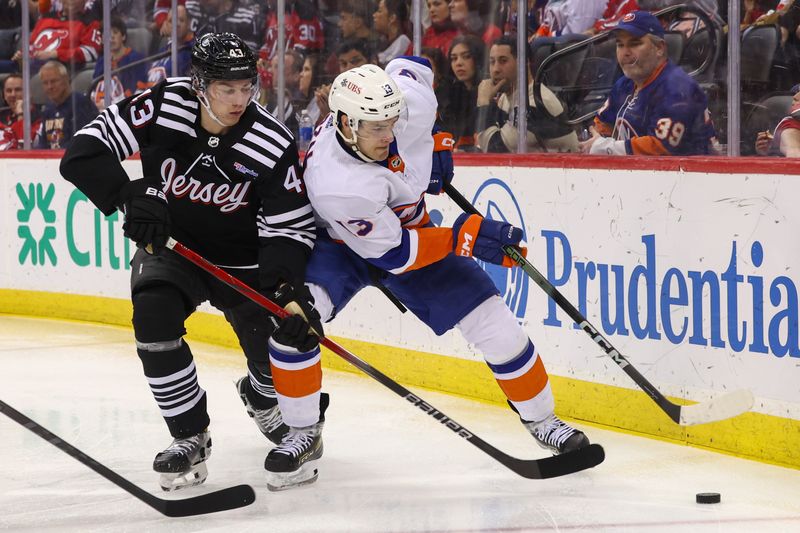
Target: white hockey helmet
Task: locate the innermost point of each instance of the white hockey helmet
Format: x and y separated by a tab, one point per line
364	93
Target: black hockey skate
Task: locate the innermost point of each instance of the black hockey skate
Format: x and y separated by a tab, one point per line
182	464
293	462
555	435
269	421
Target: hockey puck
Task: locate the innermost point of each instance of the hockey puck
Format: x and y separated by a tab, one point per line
707	497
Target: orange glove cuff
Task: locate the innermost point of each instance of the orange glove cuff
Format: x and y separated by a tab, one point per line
443	141
467	234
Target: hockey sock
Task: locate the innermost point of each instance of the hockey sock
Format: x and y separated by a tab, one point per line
170	372
298	382
261	392
525	383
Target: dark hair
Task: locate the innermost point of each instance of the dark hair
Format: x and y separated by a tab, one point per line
119	25
481	6
11	75
507	40
437	58
355	44
399	8
476	48
362	9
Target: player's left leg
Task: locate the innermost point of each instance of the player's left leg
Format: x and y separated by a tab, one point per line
457	292
518	369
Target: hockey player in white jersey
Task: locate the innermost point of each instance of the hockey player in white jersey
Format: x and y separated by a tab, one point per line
366	172
222	176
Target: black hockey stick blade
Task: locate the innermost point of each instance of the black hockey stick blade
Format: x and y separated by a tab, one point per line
726	406
221	500
532	468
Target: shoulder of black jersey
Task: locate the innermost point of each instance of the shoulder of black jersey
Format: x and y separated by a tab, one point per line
264	140
178	107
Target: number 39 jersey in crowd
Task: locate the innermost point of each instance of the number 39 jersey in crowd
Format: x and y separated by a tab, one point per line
668	115
238	199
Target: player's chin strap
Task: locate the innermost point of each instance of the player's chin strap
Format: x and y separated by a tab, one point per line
201	95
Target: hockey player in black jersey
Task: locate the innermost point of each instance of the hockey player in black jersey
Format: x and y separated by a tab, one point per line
222	176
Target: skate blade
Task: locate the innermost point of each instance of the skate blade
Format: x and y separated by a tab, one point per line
305	475
195	476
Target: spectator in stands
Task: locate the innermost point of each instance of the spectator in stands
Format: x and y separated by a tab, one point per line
12	95
217	16
67	111
570	17
458	108
475	17
615	10
303	29
786	139
655	108
293	98
125	82
70	35
442	31
11	116
310	80
436	58
351	53
161	69
498	109
391	21
354	23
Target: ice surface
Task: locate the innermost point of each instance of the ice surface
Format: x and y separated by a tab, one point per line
387	467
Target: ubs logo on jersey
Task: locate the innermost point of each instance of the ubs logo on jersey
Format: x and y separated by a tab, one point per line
228	196
496	200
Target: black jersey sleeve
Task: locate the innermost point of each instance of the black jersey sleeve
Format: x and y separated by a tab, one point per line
286	229
92	162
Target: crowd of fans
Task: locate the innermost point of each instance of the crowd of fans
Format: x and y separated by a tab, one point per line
471	44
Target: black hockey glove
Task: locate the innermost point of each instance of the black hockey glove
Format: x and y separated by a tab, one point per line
294	331
299	301
146	214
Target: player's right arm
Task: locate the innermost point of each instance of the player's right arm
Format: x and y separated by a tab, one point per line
373	231
92	162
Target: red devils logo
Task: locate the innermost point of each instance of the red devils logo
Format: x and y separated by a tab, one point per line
50	40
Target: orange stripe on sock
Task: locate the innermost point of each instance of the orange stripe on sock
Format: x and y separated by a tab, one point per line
526	386
297	383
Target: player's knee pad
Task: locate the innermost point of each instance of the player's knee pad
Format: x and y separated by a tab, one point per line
322	302
158	315
494	331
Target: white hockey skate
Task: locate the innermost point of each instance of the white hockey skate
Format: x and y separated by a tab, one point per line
294	461
555	435
182	464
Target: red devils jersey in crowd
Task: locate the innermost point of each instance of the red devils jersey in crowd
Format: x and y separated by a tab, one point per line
78	41
303	31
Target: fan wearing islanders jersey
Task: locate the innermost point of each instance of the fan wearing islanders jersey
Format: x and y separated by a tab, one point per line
367	171
655	108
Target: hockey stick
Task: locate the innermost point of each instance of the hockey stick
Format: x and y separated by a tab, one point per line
221	500
726	406
555	466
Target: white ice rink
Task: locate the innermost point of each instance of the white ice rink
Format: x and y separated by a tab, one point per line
387	467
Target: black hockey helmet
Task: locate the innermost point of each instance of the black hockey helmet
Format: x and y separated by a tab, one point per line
222	56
